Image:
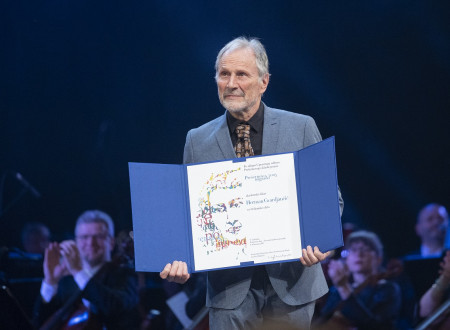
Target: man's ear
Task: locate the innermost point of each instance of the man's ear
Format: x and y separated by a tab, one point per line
264	83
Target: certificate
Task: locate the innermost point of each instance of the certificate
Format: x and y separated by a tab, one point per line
244	211
235	213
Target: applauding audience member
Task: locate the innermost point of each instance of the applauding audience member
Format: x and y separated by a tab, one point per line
359	297
82	285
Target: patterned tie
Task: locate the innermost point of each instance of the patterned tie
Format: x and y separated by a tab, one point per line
243	147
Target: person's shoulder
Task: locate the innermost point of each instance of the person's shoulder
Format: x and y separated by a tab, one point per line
209	126
210	123
287	115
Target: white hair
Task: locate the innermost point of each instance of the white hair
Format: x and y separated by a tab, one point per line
262	61
96	216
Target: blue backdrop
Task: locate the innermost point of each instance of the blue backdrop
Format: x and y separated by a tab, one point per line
86	86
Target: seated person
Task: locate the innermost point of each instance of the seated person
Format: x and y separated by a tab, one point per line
358	298
437	293
431	227
35	237
79	275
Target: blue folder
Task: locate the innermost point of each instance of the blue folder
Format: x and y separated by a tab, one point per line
162	218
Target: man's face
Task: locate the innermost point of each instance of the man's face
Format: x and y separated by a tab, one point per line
94	243
362	258
432	224
239	86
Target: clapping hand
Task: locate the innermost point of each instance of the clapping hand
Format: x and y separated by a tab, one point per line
69	251
338	273
54	266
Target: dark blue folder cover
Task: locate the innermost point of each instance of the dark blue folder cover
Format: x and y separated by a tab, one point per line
161	215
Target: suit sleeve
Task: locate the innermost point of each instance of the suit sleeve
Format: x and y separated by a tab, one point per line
188	154
382	309
374	313
311	133
42	312
119	294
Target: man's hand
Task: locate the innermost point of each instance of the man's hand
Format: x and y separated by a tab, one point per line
54	267
71	255
310	257
175	272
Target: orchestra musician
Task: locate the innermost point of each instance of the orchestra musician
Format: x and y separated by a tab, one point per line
361	297
82	286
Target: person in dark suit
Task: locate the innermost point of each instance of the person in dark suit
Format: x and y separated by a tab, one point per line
250	297
81	284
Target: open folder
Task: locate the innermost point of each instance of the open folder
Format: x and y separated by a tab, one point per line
235	213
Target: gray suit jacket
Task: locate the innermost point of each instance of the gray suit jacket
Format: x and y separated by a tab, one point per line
283	132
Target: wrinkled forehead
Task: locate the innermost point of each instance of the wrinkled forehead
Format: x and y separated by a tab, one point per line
239	56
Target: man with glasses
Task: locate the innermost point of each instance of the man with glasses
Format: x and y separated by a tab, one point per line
82	285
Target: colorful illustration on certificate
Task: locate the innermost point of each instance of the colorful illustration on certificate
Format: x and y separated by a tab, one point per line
244	212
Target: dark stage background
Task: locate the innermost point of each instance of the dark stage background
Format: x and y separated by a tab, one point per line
87	86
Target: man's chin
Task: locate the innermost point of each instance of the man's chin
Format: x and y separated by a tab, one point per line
233	107
95	261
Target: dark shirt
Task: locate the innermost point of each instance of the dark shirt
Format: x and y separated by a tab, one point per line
256	129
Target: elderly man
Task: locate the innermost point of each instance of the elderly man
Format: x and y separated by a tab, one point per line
253	296
81	285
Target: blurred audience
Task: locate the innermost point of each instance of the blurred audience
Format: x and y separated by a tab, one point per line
82	285
123	253
21	271
35	237
431	227
93	279
360	297
421	265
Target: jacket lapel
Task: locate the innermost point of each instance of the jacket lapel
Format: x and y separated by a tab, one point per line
270	132
222	135
270	135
